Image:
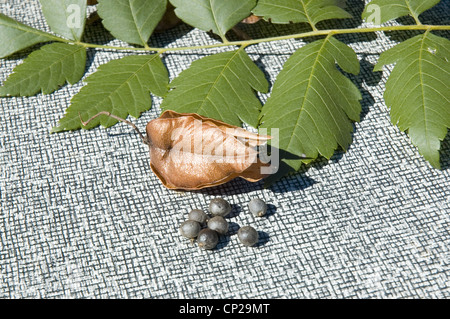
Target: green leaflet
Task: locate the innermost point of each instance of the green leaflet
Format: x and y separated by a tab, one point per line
418	91
217	16
65	17
46	69
381	11
312	103
132	21
16	36
219	86
309	11
121	87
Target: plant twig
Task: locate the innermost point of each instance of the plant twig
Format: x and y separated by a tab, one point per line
241	34
144	139
419	27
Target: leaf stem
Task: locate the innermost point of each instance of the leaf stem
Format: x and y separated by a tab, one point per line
329	32
413	14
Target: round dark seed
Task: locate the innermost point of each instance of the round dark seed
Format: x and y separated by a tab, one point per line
198	215
219	207
207	238
219	224
247	235
257	207
190	229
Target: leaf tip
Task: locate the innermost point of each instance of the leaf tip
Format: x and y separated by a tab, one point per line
436	165
433	159
378	67
56	129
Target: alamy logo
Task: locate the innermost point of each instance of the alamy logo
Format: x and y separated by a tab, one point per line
375	14
228	146
74	16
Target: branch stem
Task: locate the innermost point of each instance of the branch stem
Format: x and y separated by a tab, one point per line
144	139
313	33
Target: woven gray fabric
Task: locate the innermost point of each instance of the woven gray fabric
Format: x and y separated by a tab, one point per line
83	216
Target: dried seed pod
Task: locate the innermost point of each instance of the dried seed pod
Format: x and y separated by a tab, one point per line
251	19
189	151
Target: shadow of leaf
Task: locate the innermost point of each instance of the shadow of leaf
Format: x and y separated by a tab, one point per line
286	178
445	152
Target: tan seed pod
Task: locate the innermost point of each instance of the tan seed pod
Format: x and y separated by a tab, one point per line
251	19
189	151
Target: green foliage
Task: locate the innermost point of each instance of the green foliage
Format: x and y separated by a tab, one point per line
121	87
219	86
16	36
46	69
217	16
393	9
309	11
312	103
132	21
418	91
65	17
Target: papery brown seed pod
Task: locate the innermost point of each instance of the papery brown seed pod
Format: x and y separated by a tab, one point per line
189	151
251	19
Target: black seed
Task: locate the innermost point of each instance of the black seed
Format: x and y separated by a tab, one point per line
257	207
219	207
247	235
190	229
198	215
219	224
207	238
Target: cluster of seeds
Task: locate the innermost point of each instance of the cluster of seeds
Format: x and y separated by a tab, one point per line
206	229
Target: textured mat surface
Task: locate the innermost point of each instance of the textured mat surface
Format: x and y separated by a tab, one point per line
82	215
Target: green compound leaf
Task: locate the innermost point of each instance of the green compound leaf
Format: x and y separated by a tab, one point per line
46	69
418	91
381	11
219	86
132	21
217	16
312	103
121	87
65	17
16	36
309	11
